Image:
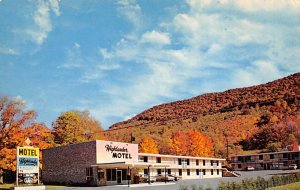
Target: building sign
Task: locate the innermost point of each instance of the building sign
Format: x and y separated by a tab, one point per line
118	152
108	152
27	165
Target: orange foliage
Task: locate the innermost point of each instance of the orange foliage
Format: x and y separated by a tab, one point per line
190	143
148	145
295	146
15	126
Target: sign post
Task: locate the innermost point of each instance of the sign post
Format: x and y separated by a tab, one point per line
27	165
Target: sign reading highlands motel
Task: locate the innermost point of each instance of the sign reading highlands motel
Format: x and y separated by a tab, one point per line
27	164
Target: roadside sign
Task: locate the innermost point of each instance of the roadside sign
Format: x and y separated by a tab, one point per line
27	165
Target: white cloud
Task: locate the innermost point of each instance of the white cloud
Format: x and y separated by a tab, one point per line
214	48
89	76
42	19
77	45
258	72
55	6
131	11
248	5
8	51
156	37
105	54
107	67
73	58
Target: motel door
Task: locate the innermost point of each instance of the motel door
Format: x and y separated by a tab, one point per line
119	176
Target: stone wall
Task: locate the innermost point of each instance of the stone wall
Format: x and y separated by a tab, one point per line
67	164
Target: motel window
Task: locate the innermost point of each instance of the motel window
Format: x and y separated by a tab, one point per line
197	162
248	158
204	172
218	172
211	172
146	171
179	161
261	157
124	174
169	171
188	162
145	158
111	174
203	162
89	171
271	156
158	160
114	174
188	171
108	174
158	171
239	165
180	172
211	163
197	171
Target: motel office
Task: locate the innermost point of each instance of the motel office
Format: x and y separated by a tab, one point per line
99	163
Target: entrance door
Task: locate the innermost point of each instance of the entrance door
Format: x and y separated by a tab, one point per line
119	176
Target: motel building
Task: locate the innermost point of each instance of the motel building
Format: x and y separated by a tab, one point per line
266	161
100	163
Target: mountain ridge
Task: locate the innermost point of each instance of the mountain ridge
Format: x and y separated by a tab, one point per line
286	88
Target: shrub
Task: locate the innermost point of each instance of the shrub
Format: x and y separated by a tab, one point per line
252	184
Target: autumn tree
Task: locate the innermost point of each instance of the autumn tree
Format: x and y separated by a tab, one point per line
191	143
148	145
17	124
76	126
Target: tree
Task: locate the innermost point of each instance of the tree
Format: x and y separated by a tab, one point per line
148	145
190	143
75	126
17	124
200	144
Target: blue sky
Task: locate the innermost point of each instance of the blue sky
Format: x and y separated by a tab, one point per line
118	58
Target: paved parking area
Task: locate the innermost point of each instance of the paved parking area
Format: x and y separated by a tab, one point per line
214	182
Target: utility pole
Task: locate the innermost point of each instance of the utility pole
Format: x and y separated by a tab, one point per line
132	138
227	152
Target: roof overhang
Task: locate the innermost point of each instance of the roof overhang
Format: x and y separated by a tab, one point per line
130	165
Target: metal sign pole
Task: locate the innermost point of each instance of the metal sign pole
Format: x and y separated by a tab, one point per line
38	175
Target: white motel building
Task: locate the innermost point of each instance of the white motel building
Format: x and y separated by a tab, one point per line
99	163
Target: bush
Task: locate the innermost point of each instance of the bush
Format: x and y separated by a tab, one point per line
252	184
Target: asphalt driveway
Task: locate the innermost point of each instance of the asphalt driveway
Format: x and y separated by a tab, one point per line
213	182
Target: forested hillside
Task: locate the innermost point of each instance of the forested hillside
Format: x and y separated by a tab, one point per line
239	116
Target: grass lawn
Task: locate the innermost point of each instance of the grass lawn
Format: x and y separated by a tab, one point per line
292	186
8	185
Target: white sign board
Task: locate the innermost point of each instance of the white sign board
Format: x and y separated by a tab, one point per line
27	165
110	152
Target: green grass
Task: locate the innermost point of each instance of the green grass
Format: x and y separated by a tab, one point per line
8	185
292	186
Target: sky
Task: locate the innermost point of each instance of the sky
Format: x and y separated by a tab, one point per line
118	58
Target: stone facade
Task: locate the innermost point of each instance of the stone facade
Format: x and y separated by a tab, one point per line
68	164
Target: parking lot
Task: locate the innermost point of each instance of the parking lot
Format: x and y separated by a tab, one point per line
214	182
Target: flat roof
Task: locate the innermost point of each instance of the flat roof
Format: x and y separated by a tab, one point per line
266	153
175	156
131	164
